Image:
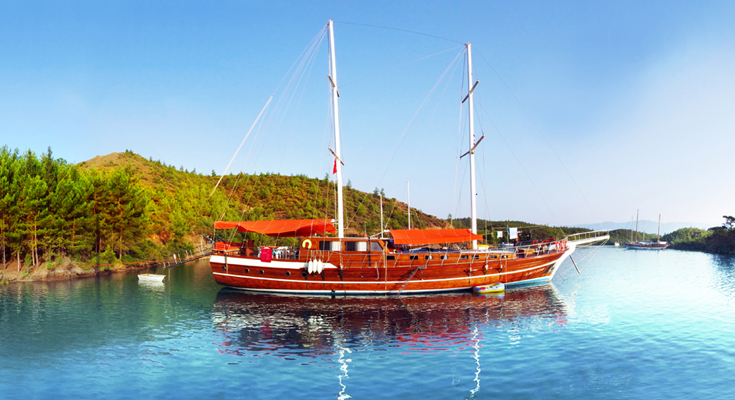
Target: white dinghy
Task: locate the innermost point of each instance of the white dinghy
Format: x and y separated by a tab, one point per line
151	277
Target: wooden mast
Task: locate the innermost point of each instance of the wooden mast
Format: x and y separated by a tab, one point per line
335	112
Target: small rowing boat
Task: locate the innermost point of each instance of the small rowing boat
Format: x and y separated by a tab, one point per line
151	277
491	288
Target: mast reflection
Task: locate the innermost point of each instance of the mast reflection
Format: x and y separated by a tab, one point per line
254	324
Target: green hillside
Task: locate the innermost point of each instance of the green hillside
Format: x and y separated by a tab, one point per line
718	240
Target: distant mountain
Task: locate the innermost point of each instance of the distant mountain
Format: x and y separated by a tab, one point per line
646	226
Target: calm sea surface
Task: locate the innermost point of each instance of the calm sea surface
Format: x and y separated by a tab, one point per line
633	325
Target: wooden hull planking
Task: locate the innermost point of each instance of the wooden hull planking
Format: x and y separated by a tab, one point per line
377	275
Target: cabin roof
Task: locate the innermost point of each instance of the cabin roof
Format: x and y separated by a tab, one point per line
281	228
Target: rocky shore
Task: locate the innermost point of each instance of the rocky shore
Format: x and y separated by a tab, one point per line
44	273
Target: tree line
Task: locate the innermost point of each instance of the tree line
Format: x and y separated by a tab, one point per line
718	239
58	213
50	209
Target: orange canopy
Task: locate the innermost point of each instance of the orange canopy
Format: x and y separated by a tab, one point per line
288	228
432	236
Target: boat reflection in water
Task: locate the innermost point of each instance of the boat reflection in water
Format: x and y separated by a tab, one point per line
255	324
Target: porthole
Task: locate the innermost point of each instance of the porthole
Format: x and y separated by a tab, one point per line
247	270
262	272
288	273
303	273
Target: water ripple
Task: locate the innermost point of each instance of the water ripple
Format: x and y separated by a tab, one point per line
633	325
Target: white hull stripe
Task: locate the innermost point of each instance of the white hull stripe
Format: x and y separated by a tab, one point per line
255	263
414	291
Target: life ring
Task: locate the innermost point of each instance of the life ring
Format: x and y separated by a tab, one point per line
306	244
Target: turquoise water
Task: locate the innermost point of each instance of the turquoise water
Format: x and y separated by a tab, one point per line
633	325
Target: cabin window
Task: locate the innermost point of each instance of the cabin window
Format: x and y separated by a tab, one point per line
391	257
375	246
413	257
326	245
462	257
444	257
428	257
476	257
356	246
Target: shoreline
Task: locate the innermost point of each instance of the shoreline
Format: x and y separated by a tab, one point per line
44	274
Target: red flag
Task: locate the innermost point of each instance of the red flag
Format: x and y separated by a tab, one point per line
335	166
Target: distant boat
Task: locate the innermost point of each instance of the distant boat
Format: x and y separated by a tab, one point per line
617	244
645	245
658	245
151	277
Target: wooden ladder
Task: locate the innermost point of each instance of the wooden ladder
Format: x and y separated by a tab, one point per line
411	277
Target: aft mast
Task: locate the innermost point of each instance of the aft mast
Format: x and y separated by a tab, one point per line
473	196
335	111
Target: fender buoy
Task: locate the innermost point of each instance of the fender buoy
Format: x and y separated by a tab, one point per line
306	244
491	288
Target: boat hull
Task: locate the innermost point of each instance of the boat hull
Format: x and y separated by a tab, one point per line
151	277
377	276
646	246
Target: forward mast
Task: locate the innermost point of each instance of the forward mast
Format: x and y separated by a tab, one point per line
337	144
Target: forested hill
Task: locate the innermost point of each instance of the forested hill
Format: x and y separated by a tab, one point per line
123	207
261	197
527	231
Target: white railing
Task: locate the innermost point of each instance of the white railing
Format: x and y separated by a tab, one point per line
588	237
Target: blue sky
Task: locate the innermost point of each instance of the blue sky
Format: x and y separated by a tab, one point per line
591	110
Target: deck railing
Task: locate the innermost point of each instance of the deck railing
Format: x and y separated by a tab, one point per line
589	237
401	256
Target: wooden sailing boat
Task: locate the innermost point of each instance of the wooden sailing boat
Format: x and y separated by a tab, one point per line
324	264
645	245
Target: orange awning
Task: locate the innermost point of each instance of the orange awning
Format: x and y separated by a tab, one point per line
432	236
287	228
